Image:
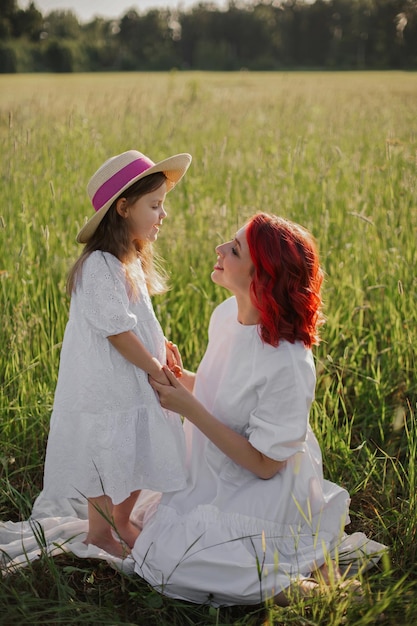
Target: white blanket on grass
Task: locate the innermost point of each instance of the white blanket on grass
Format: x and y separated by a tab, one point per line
57	528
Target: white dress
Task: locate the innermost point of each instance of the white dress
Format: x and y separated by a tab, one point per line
230	537
108	433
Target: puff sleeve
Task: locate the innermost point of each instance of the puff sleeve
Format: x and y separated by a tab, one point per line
102	295
278	424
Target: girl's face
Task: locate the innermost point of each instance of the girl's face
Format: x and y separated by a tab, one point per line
146	214
234	267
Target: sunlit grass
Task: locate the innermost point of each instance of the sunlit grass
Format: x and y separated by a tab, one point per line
335	152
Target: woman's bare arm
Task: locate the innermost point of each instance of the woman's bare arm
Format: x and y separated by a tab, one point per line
179	399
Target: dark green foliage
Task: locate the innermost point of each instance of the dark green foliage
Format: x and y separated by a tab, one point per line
27	23
8	61
294	34
58	57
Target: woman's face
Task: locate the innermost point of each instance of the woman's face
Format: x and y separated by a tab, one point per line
146	214
234	267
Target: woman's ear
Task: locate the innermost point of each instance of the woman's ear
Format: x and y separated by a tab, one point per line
121	207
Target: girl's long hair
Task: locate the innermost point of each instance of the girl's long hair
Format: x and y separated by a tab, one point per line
287	280
113	235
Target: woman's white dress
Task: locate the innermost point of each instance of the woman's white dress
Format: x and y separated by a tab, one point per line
230	537
108	432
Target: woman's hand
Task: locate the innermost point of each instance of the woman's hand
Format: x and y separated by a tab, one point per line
174	360
173	396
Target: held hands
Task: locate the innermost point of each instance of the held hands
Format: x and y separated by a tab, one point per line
173	396
177	398
158	373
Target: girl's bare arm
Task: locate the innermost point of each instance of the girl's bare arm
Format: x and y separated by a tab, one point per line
130	346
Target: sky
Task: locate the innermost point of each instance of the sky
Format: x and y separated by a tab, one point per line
85	10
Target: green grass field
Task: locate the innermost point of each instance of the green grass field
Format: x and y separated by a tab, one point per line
336	152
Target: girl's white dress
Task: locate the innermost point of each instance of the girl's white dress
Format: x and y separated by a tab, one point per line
230	537
108	433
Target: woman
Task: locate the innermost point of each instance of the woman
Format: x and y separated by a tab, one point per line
256	516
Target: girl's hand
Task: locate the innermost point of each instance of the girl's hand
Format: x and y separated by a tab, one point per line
174	360
173	396
158	373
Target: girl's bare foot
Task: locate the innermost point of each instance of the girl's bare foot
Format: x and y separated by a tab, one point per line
128	532
110	545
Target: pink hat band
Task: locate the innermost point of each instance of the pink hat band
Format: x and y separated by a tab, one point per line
119	180
119	173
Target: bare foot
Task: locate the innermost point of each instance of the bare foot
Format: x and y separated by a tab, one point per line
298	590
327	574
110	545
352	588
128	532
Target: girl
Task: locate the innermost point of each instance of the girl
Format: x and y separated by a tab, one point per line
109	437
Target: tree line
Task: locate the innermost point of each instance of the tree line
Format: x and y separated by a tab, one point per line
257	35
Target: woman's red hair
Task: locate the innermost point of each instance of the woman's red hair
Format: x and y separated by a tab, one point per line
287	279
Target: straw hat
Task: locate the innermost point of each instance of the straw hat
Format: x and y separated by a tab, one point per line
120	172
